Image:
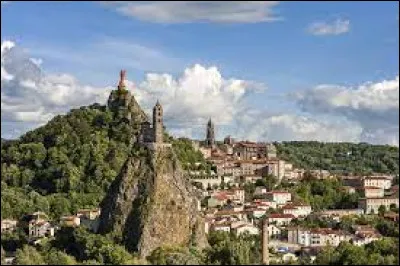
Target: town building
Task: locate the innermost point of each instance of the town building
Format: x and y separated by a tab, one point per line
280	219
8	225
246	228
246	150
371	205
207	181
223	227
70	221
317	237
89	218
383	182
228	140
372	192
274	231
298	210
260	191
39	228
341	212
280	197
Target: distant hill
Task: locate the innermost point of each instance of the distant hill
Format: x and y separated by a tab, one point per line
361	158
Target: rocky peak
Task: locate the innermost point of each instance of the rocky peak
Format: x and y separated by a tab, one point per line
151	202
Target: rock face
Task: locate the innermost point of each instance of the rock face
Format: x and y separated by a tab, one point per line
151	203
124	104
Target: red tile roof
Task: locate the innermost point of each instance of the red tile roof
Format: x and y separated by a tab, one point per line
221	197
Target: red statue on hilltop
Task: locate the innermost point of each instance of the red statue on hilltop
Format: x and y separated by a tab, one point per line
121	83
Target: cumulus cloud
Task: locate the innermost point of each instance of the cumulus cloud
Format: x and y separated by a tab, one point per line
30	96
198	94
337	27
375	106
198	11
258	125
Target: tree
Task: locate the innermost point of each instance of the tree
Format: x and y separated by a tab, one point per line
393	208
268	182
228	249
168	255
55	257
380	252
381	210
28	256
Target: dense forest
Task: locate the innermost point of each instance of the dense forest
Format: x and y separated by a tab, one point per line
341	158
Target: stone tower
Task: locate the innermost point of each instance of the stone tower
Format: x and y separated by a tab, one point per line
158	127
210	139
265	250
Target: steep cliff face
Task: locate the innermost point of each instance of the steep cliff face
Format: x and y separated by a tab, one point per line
151	203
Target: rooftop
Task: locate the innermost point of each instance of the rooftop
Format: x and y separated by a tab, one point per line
278	192
279	215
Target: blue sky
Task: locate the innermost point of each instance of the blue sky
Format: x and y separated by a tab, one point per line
272	44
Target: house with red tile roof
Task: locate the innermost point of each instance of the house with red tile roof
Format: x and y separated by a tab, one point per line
280	219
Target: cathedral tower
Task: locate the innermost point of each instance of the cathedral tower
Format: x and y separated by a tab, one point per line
210	139
158	123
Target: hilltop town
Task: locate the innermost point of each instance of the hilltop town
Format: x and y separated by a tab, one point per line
242	188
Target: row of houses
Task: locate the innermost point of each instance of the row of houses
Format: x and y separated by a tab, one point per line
327	236
376	191
247	161
38	225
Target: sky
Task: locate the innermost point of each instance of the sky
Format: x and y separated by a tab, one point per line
261	70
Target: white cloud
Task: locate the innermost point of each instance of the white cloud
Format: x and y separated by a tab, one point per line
198	11
337	27
36	61
31	96
286	127
369	112
375	106
5	47
191	99
198	94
